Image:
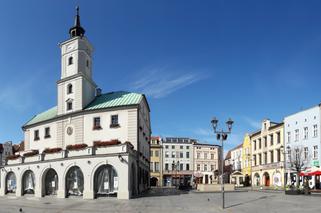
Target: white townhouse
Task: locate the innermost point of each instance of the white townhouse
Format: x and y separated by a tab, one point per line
178	161
90	144
302	133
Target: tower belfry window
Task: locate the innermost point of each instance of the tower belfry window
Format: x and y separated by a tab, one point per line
69	89
70	60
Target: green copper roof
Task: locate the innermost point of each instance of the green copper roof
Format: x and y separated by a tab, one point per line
114	99
108	100
51	113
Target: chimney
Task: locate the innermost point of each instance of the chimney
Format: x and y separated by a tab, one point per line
98	92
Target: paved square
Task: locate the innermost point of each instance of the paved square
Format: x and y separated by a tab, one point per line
169	202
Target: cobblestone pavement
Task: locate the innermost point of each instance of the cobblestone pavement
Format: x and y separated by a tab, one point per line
168	201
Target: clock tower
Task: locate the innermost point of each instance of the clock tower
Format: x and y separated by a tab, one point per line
76	89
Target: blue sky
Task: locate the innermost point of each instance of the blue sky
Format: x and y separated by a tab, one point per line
247	60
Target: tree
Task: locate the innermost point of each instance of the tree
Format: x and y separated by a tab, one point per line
298	160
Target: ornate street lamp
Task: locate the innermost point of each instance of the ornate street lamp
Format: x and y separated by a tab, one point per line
222	136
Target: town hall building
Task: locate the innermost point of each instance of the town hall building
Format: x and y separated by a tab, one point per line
91	144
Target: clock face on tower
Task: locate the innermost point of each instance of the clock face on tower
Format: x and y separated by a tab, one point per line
70	47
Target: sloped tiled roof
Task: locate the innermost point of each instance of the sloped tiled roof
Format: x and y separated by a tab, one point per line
108	100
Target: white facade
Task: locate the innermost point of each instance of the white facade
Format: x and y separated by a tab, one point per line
302	131
236	158
177	161
206	163
84	119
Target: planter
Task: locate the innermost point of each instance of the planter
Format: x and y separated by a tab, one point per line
80	152
52	156
110	149
33	158
14	161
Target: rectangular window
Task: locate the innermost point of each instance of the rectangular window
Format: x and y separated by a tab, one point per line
166	146
205	155
151	153
198	155
212	156
156	153
205	167
278	137
260	159
181	167
187	147
254	159
297	155
265	157
173	147
212	168
173	154
36	135
289	137
97	123
166	166
254	144
47	132
181	147
271	139
151	166
260	143
181	155
156	166
306	133
187	167
296	135
306	153
198	167
187	154
271	156
315	152
167	154
315	130
114	121
278	157
69	105
265	141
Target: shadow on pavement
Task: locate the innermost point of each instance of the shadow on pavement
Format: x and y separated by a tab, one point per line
249	201
158	192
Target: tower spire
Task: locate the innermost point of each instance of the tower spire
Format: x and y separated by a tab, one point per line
76	30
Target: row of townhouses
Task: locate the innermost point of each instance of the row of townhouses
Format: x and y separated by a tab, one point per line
279	154
183	162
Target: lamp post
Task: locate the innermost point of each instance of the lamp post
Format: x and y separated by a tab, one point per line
222	136
285	152
175	166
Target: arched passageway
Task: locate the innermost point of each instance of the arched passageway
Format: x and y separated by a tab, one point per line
106	181
153	181
11	183
28	182
51	182
266	179
74	182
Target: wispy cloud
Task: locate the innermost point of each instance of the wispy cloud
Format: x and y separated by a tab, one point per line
161	82
253	123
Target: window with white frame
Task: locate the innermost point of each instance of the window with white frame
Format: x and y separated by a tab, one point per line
205	167
198	167
205	155
198	155
289	137
315	130
315	152
306	153
306	133
156	166
297	135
